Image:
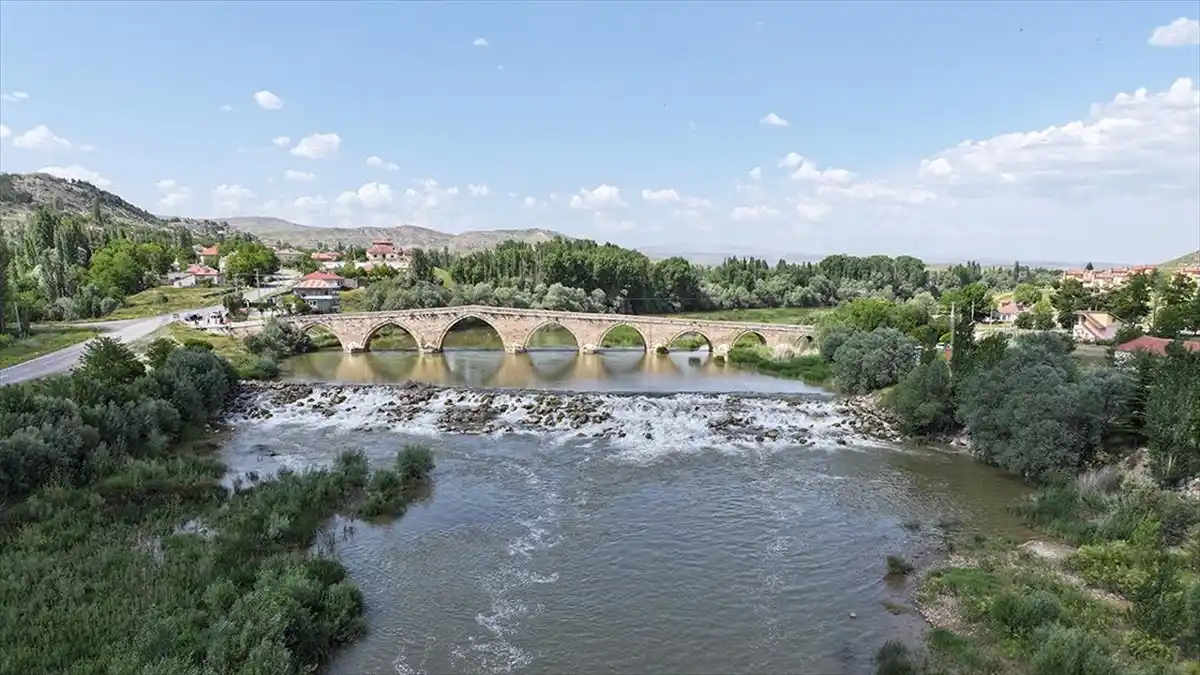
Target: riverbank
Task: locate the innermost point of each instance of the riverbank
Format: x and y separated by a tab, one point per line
124	551
1111	587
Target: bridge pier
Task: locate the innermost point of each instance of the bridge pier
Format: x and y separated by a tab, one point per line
514	349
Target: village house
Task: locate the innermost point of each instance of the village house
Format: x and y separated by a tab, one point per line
1008	311
196	275
1104	280
1095	327
322	291
1147	343
326	256
385	253
209	255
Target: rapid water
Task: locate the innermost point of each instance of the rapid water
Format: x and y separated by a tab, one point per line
625	532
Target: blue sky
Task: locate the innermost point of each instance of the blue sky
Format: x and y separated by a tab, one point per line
641	123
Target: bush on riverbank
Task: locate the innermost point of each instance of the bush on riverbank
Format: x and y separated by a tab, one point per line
122	555
810	368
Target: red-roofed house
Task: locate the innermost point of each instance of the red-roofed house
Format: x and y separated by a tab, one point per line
209	255
386	253
1154	345
323	295
321	275
327	256
197	274
1008	311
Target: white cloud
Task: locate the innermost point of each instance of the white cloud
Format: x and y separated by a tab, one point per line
1179	33
371	195
479	190
226	108
773	120
268	101
281	141
5	132
76	172
379	163
1138	134
812	210
808	171
317	203
172	194
14	96
318	146
791	161
756	173
480	42
660	196
754	213
41	138
230	197
604	196
299	176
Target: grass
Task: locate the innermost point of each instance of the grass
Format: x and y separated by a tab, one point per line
231	348
353	300
1001	609
810	368
785	315
166	300
42	341
444	276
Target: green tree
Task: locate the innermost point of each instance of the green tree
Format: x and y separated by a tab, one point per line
1027	294
867	361
972	300
1131	302
1071	297
119	269
109	362
1042	315
924	400
251	262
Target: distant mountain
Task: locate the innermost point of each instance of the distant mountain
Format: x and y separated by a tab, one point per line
271	230
1189	260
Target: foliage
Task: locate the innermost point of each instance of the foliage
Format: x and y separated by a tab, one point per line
1034	413
158	351
250	262
810	368
867	361
1172	414
278	340
924	400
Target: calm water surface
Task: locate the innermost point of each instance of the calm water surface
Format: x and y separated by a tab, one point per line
689	553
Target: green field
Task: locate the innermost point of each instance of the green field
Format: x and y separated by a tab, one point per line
231	348
165	300
787	315
42	341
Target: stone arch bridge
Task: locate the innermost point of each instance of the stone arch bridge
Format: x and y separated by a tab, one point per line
429	328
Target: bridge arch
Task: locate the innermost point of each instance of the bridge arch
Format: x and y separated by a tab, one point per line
525	344
376	331
748	333
691	331
623	324
320	333
441	340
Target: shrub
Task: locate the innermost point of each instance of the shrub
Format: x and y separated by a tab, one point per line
260	368
898	567
1021	613
1073	651
868	361
923	401
278	338
894	658
1112	565
158	351
414	463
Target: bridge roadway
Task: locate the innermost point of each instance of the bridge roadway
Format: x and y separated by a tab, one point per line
429	327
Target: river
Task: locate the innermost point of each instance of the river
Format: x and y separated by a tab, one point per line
648	517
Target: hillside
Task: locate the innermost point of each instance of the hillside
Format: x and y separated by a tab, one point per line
271	230
1191	259
21	193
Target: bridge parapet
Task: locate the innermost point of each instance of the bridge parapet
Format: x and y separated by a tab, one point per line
516	326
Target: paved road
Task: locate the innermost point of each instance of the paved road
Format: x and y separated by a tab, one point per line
128	330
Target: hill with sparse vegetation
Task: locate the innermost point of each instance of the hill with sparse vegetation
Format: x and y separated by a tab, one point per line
276	229
1189	260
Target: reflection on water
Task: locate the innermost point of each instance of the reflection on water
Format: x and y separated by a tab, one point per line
615	370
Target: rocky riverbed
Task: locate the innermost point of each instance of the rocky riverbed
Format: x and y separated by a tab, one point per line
799	420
